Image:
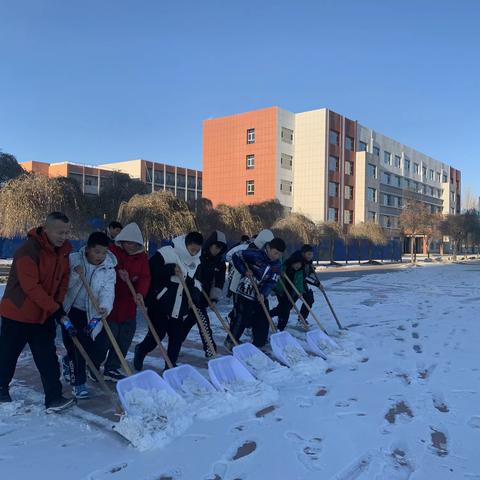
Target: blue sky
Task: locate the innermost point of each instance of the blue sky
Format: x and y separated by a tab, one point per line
101	81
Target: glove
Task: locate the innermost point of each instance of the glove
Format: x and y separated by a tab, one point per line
94	327
215	294
58	315
69	327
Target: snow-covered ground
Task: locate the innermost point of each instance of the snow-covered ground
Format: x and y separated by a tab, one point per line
400	401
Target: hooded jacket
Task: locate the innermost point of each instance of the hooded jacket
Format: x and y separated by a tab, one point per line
266	272
166	295
38	279
124	306
263	237
102	282
296	276
212	269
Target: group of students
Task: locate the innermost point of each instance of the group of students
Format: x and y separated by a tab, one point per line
49	286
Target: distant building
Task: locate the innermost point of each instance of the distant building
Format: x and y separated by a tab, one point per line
182	182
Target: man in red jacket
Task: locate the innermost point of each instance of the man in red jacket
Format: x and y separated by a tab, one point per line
132	263
32	306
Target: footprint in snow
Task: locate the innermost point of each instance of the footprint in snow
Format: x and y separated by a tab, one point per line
356	469
247	448
399	408
417	348
439	403
415	335
396	465
474	422
310	450
439	442
106	473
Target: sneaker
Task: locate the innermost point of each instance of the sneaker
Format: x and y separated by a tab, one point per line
91	376
113	375
5	395
80	391
59	404
138	359
66	371
228	344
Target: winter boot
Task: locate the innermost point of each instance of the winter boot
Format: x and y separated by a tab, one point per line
138	359
113	375
80	392
59	404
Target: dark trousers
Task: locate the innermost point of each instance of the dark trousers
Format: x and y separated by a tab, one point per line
123	334
308	296
164	324
282	311
79	320
191	320
41	340
249	313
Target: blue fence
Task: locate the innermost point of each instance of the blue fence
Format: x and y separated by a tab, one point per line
353	252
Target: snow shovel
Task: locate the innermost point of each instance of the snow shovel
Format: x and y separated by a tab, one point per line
118	408
181	378
222	367
105	324
294	305
322	289
295	289
283	344
248	354
318	341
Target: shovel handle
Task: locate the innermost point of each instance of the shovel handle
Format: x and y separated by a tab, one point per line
220	318
95	372
322	289
297	310
150	325
105	324
203	330
295	289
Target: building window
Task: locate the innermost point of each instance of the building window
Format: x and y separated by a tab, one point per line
251	135
386	178
349	143
334	136
348	167
371	216
416	168
333	189
431	191
387	158
430	174
286	161
333	163
180	180
376	151
348	192
250	161
286	187
287	135
372	170
406	164
397	161
250	187
347	216
424	172
190	182
407	183
372	195
333	214
170	179
362	146
398	181
438	177
445	178
199	183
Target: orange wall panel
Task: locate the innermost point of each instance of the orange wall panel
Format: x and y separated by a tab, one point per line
225	150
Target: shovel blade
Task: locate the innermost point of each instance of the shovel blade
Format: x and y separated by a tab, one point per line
247	352
318	341
281	343
227	370
176	377
147	380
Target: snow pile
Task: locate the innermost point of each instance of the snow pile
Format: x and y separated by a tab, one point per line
293	355
249	394
269	372
155	418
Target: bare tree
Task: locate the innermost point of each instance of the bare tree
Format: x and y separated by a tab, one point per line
469	199
372	233
27	200
9	168
455	227
296	229
414	220
267	213
160	215
237	220
331	231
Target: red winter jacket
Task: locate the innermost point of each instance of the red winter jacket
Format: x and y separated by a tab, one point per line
124	307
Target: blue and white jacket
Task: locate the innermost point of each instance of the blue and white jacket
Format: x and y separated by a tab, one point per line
266	272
